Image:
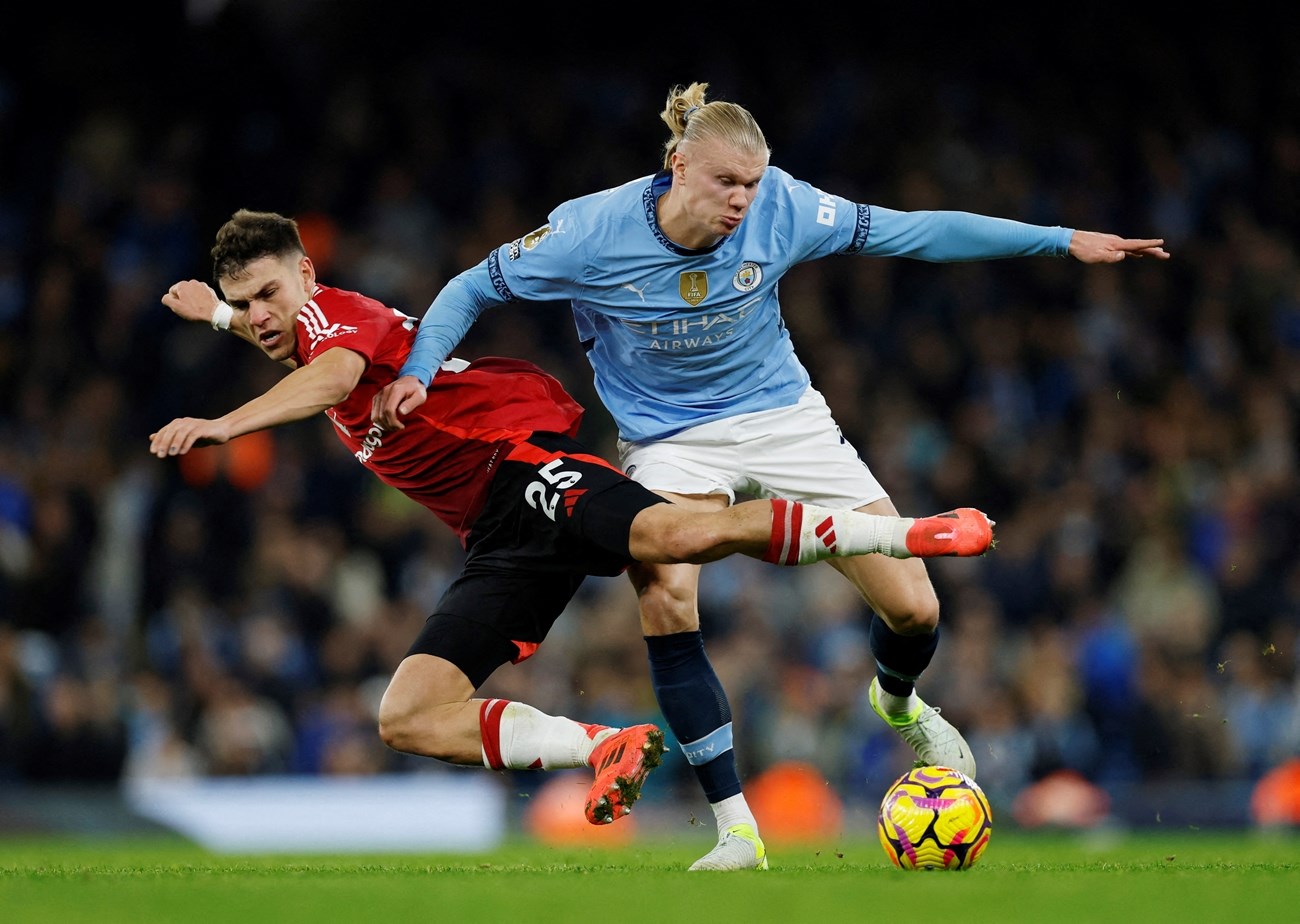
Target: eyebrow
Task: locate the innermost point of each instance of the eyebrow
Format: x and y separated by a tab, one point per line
739	177
242	303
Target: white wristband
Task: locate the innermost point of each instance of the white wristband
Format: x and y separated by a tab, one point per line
221	316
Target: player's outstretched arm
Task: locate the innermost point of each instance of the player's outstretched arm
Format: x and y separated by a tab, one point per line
306	391
1098	247
395	400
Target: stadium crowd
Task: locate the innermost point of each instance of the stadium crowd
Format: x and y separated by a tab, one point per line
1134	430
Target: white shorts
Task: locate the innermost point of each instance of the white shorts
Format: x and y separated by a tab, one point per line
795	452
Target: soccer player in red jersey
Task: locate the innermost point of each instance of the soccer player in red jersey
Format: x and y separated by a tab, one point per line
492	454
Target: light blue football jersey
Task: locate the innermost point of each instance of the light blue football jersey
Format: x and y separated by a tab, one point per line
680	337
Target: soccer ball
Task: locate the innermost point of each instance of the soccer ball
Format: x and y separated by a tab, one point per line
934	818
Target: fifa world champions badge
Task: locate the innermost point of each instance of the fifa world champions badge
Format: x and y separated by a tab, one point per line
693	286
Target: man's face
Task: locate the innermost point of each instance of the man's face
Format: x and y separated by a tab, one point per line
718	184
272	290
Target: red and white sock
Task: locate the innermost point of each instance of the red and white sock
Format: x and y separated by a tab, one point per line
805	533
515	736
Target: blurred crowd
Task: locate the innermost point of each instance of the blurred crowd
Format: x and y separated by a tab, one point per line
1132	429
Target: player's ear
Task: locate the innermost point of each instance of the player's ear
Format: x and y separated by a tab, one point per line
308	271
678	164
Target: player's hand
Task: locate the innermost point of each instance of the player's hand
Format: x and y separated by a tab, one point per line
184	433
1096	247
395	400
191	300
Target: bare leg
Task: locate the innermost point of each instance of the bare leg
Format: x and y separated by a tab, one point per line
427	710
791	533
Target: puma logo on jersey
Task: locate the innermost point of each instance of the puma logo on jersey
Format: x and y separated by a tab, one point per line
640	293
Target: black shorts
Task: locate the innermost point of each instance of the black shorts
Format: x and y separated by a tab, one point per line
555	513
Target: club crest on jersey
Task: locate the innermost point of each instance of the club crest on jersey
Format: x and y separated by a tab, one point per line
693	286
747	277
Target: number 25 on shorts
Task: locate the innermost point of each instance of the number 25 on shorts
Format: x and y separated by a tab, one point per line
546	496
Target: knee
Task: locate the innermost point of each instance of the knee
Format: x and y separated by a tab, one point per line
919	617
425	707
411	726
394	727
666	598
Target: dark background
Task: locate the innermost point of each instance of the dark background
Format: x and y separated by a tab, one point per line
1133	429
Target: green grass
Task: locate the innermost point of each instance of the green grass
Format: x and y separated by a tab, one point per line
1186	876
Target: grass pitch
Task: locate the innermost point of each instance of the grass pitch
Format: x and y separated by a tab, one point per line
1185	876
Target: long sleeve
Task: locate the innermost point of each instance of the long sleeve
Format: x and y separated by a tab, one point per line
448	319
951	237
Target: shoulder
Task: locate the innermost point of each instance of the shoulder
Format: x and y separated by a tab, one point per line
608	200
578	228
341	301
781	189
343	316
597	209
810	221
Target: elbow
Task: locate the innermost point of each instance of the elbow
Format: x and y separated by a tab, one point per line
340	394
336	374
339	386
328	396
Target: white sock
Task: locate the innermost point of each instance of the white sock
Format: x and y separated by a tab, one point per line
861	533
825	533
733	810
517	736
893	704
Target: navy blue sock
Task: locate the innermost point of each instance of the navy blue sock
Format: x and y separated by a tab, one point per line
695	706
900	659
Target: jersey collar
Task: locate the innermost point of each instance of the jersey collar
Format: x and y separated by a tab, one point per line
660	183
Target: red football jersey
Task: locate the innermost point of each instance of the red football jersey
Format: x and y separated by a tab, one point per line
446	455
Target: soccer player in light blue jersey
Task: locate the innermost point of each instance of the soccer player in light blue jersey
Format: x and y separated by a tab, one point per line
672	279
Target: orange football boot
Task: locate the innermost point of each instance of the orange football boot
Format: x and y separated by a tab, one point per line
964	531
622	761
